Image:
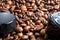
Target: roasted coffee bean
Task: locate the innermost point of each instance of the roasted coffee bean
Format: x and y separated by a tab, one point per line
38	22
42	32
31	16
27	28
19	29
25	37
29	33
23	8
20	34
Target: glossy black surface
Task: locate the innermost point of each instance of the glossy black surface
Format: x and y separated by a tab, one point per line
7	23
53	29
55	18
6	18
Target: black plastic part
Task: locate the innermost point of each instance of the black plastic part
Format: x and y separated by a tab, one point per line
7	23
55	18
53	29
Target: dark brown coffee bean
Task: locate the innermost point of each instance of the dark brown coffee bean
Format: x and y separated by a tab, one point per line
42	32
23	8
29	33
25	37
18	28
20	34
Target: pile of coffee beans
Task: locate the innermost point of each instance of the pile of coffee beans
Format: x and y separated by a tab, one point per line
31	17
